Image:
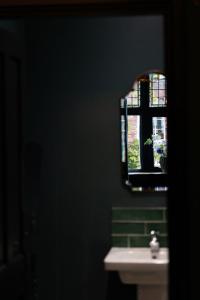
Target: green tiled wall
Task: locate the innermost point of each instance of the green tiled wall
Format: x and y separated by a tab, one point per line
131	226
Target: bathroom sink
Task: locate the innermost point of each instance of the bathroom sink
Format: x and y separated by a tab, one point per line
136	266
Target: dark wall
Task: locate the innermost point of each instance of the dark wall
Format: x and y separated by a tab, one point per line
191	206
78	69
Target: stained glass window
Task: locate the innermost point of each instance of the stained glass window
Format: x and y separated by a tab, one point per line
133	98
157	90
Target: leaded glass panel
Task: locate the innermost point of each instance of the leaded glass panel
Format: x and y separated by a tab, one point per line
133	98
157	90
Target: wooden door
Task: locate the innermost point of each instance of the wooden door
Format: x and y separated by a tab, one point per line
12	256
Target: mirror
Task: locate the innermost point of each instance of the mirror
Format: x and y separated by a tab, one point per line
144	133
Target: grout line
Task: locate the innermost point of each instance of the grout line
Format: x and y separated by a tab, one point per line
138	208
139	221
165	216
127	234
135	235
145	228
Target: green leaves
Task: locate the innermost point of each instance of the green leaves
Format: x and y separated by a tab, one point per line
148	141
134	155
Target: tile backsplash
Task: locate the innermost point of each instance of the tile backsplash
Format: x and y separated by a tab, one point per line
131	226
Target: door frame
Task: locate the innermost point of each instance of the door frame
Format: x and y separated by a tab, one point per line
175	53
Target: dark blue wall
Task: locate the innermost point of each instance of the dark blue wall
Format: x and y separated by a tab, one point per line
78	69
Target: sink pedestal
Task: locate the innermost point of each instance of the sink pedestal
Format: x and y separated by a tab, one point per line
136	266
150	285
155	292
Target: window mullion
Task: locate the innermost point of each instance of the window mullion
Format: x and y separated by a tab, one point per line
146	129
124	119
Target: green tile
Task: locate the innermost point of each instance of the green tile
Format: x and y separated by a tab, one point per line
165	214
119	241
128	228
143	241
139	241
163	240
161	227
137	214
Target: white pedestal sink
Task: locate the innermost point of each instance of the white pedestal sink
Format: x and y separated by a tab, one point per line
136	266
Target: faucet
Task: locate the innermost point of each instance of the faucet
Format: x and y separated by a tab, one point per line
154	244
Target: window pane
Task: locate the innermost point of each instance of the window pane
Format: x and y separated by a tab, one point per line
157	90
134	160
159	139
123	103
123	153
133	98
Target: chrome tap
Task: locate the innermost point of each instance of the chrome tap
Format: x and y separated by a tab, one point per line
154	244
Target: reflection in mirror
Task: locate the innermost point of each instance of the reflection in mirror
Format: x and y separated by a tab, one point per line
144	133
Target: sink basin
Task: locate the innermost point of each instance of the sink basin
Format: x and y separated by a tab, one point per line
136	266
